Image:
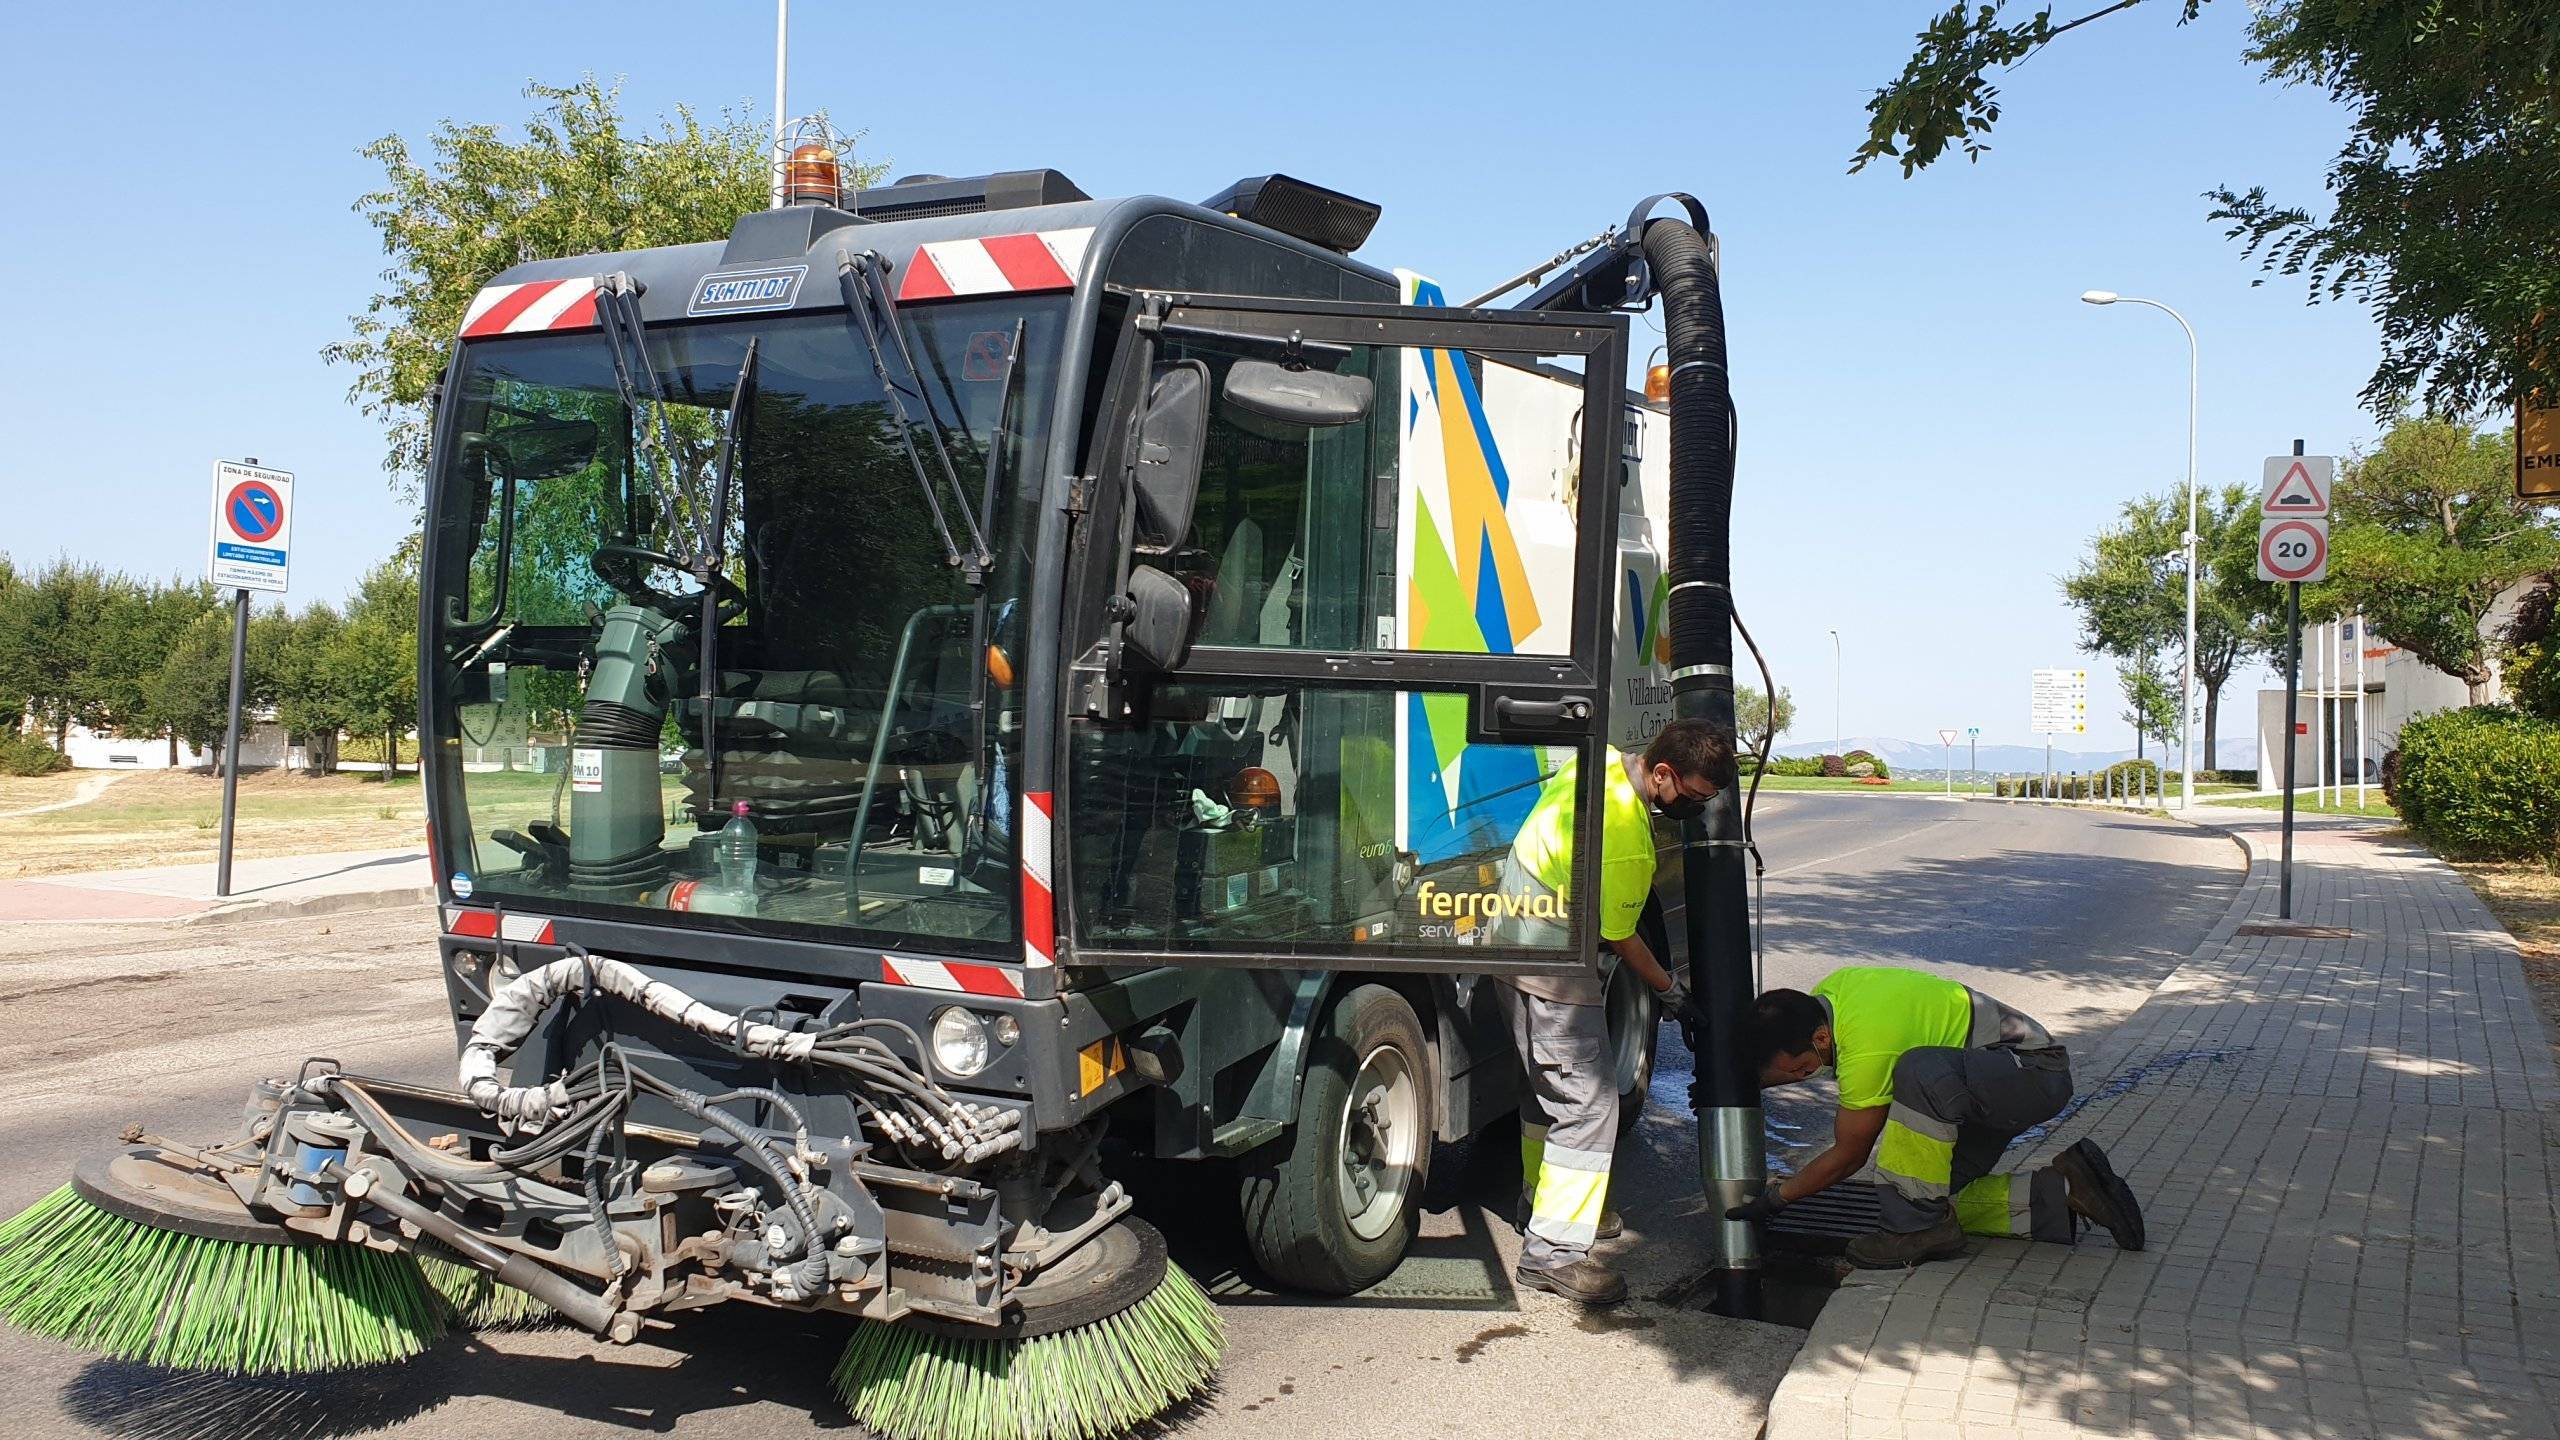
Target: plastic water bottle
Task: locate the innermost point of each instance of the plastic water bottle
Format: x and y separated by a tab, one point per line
736	852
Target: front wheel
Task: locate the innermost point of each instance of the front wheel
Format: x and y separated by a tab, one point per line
1635	1027
1331	1206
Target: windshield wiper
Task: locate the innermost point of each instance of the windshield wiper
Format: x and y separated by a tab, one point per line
618	314
858	277
708	572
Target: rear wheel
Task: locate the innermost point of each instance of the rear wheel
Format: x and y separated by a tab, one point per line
1331	1206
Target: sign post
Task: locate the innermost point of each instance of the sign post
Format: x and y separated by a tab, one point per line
252	541
1947	738
2293	547
2058	704
2360	709
1972	752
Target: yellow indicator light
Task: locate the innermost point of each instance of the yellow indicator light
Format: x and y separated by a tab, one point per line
1657	384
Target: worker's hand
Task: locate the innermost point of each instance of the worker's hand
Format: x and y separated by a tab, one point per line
1673	993
1760	1207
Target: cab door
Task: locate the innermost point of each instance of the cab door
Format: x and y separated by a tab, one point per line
1393	687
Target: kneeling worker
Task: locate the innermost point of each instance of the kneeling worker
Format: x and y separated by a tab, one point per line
1569	1109
1947	1077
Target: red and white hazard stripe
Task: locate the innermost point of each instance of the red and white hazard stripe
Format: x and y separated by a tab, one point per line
1039	909
956	976
533	305
996	265
490	925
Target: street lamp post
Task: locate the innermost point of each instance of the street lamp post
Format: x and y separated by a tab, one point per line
1837	739
2187	671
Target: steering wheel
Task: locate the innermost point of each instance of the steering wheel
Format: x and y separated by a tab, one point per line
622	566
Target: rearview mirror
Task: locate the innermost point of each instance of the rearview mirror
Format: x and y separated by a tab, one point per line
1172	437
1318	399
539	449
1156	620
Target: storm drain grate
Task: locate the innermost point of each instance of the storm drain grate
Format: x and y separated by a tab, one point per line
1824	1224
2290	931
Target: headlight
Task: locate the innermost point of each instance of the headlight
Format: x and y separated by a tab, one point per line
960	1043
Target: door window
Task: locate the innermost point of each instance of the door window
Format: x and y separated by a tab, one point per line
1397	660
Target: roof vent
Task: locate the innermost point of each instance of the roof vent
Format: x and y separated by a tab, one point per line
918	197
1293	207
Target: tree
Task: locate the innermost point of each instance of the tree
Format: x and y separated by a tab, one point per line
2130	591
1753	719
297	650
373	658
2444	214
2150	699
2426	534
578	182
139	626
47	632
15	591
191	690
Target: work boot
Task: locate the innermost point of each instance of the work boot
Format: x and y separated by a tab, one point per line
1895	1249
1586	1281
2096	1193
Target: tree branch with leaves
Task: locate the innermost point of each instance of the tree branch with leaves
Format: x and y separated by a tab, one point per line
2444	200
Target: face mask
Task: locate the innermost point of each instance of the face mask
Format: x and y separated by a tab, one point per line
1681	807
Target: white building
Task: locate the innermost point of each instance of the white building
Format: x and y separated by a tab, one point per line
262	746
2352	718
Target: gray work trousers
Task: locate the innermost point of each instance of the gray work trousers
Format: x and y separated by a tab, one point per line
1953	1113
1568	1122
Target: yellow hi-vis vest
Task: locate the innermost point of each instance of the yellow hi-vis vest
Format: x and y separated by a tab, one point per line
1544	847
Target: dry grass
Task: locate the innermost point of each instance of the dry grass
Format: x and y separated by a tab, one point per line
174	818
17	792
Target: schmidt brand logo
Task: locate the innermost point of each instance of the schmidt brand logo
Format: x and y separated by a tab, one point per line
741	290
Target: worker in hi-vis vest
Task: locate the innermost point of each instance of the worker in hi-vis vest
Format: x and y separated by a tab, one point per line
1569	1106
1936	1079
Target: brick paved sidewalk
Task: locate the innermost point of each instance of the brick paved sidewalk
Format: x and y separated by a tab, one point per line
2345	1150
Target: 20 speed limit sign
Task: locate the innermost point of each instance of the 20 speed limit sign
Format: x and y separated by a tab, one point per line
2293	550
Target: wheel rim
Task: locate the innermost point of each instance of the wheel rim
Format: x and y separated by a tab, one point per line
1381	1132
1631	1019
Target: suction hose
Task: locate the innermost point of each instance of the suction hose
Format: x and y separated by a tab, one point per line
1725	1092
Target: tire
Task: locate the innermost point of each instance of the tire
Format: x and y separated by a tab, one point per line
1635	1032
1299	1193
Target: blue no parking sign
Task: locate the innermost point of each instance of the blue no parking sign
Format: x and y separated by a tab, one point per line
252	527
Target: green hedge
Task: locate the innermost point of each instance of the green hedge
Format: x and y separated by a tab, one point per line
27	755
2481	783
1883	772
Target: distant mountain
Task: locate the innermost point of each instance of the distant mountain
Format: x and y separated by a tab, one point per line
2235	752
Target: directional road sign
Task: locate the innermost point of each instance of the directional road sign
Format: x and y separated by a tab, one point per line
252	527
2058	702
2294	550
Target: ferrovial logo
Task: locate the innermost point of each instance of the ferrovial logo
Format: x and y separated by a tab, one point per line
1446	904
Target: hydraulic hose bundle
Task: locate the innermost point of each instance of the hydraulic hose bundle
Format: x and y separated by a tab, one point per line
1725	1092
903	1102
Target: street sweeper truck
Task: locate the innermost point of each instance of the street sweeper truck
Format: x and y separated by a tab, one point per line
950	688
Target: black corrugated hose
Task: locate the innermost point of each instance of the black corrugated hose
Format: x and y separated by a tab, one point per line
1725	1092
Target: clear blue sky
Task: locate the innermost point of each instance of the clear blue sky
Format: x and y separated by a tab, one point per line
1932	423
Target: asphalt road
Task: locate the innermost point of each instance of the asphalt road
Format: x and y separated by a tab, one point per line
2069	915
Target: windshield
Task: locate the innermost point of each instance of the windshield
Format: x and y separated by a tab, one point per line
864	713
